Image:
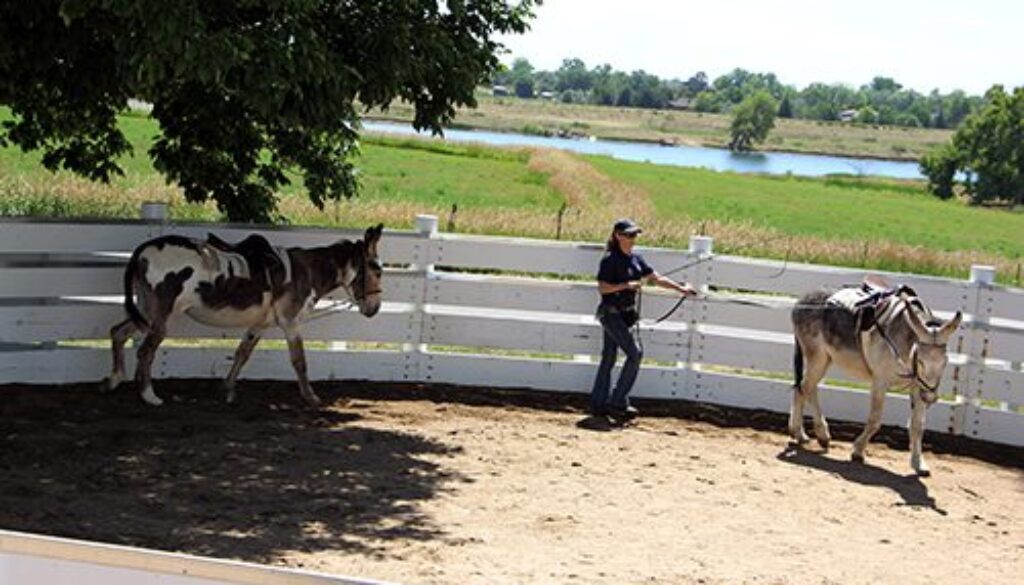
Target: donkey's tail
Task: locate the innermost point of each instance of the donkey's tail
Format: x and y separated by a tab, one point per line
798	365
131	276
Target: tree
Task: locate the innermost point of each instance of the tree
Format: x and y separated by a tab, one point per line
785	107
647	90
866	115
522	78
939	166
242	91
707	101
752	120
573	74
885	84
697	83
987	149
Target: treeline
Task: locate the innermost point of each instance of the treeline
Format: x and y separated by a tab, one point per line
883	101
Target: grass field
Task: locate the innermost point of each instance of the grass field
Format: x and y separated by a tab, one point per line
845	221
682	127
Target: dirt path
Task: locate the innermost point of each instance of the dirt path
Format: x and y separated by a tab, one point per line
404	485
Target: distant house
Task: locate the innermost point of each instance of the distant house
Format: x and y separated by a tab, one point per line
680	103
499	91
847	115
547	95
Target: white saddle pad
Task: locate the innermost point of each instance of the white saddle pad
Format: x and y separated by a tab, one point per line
847	298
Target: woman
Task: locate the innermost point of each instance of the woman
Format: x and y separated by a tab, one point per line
618	279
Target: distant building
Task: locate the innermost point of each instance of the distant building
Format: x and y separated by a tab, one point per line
847	115
499	91
547	95
680	103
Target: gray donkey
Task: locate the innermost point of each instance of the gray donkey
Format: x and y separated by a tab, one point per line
893	340
250	285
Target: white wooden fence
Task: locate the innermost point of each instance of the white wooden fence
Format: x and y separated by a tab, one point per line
447	309
30	559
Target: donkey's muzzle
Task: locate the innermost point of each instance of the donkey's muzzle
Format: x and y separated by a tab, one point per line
370	308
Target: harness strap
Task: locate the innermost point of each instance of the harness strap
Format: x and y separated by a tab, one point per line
911	372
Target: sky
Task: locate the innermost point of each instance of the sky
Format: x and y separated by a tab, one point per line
923	45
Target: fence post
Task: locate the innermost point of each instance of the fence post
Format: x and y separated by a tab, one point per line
968	420
414	349
153	212
699	276
156	215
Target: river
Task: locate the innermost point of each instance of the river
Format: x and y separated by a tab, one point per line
775	163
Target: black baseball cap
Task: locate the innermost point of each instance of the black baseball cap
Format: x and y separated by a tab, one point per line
627	226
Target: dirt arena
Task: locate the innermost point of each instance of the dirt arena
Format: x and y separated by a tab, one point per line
439	485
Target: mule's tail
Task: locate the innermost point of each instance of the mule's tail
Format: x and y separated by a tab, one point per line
798	365
131	276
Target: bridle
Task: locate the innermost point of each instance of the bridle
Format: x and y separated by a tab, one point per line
364	280
912	371
354	299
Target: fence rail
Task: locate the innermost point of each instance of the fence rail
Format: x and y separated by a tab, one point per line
508	312
31	558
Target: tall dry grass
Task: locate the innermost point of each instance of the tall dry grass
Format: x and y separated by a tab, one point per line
66	195
596	201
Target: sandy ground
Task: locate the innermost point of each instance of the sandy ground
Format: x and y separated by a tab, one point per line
428	485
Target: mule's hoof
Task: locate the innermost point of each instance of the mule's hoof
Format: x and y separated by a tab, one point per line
857	457
150	397
229	396
824	443
313	401
924	472
111	383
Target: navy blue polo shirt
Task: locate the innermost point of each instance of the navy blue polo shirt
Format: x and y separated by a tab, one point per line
619	268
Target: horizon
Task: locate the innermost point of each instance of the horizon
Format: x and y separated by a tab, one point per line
946	50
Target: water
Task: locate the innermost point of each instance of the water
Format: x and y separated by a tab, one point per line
775	163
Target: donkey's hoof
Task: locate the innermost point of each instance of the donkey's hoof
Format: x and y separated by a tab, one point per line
150	397
800	438
924	472
824	443
857	457
313	401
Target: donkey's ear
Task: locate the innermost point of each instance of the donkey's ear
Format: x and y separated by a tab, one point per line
915	322
950	327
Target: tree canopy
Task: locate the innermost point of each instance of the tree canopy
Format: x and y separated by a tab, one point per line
987	151
242	91
752	120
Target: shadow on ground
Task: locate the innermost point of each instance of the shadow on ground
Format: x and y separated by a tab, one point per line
249	481
910	488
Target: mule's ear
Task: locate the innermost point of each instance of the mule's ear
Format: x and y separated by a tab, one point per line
919	328
950	327
373	233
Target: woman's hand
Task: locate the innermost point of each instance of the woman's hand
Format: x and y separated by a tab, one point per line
687	290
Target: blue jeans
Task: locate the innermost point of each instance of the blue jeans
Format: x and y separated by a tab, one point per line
617	335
